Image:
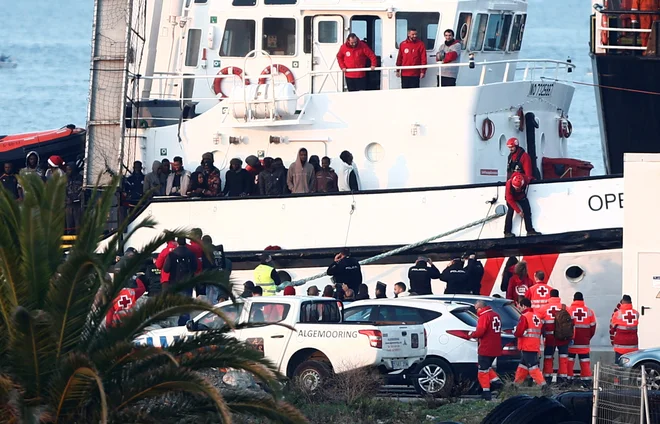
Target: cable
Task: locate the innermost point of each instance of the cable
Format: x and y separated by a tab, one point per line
350	218
609	87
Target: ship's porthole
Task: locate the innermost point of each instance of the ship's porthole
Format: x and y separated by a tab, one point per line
504	151
574	273
374	152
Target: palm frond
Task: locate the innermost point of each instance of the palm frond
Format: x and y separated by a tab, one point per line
75	381
112	246
34	254
95	217
259	404
52	220
154	310
123	353
71	297
12	290
30	350
168	379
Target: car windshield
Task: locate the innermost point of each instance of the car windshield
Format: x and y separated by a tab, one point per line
507	312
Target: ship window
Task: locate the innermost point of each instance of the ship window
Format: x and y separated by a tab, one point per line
280	1
426	24
243	2
307	30
328	32
192	48
497	32
201	1
368	29
479	34
279	36
238	38
463	28
517	32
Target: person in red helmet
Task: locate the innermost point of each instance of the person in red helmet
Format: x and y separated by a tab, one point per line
516	199
55	167
518	160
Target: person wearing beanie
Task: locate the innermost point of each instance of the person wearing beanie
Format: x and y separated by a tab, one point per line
289	291
238	181
211	176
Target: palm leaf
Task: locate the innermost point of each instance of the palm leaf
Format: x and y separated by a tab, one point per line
167	379
73	385
124	353
52	220
34	254
262	405
71	297
12	291
95	217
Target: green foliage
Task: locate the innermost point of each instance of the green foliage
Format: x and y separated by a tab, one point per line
59	363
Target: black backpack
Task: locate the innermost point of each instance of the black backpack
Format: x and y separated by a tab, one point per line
183	266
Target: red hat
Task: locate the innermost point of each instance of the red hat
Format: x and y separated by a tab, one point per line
512	142
517	181
55	161
289	291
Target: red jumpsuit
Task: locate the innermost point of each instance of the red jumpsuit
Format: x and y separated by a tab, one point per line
624	324
528	332
489	333
539	294
584	321
645	20
123	303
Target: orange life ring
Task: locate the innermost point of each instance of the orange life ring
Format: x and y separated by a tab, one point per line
604	23
565	133
281	69
487	129
521	115
229	70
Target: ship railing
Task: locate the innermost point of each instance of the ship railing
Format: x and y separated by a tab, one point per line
533	70
618	36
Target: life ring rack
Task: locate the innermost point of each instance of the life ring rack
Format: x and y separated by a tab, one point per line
281	69
487	129
229	70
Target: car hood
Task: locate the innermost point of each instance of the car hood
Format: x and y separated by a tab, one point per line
650	353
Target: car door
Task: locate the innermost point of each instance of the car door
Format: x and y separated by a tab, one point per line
328	36
271	340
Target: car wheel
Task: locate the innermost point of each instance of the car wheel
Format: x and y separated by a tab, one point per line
652	370
434	377
311	375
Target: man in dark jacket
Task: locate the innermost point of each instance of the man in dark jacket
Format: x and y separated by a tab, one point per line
211	176
420	276
346	269
456	278
238	182
326	178
181	263
272	180
134	184
10	182
475	272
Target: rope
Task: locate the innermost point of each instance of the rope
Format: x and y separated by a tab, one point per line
609	87
498	213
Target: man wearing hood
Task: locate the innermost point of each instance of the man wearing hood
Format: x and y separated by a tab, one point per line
301	177
152	180
347	173
211	175
449	51
238	182
32	165
353	54
134	184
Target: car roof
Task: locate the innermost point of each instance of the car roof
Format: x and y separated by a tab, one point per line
459	297
411	302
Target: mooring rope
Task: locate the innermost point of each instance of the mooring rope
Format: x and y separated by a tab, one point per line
499	211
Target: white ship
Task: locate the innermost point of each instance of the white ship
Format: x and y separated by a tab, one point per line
260	77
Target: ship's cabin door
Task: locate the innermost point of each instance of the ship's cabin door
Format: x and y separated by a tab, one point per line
369	29
328	36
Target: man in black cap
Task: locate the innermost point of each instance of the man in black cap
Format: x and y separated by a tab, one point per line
475	271
456	278
420	276
346	269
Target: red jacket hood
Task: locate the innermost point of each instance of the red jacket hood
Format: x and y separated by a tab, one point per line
484	310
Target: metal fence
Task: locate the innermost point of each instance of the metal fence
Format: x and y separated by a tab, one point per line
620	395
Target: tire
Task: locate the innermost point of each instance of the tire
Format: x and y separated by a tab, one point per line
504	409
540	410
652	370
433	377
579	404
311	375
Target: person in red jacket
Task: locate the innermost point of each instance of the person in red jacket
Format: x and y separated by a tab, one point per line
124	301
528	333
160	262
539	293
519	283
624	324
489	334
412	52
518	160
584	321
353	54
548	314
516	198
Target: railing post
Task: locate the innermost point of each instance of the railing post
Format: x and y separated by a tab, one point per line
483	74
594	410
641	396
506	71
526	71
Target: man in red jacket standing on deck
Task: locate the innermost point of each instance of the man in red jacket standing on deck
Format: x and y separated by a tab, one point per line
412	52
353	54
516	199
489	333
518	160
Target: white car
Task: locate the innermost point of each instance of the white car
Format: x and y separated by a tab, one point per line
319	344
451	355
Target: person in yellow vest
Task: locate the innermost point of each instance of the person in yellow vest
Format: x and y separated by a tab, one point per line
266	277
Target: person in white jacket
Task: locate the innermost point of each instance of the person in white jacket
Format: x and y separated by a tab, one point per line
400	290
347	173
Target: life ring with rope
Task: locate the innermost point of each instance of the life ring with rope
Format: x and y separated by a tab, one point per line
281	69
229	70
567	130
521	116
604	23
487	129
